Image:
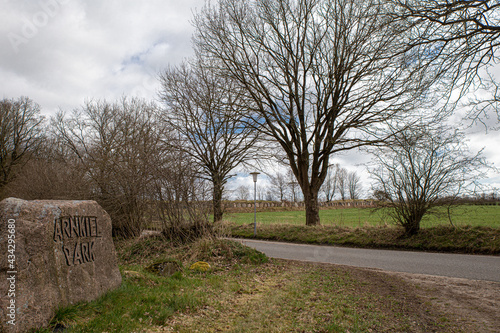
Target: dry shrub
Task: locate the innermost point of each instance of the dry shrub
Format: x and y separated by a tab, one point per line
179	204
49	179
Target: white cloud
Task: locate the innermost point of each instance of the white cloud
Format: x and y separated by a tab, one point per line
61	52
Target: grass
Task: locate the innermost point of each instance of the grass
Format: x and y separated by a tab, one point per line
245	292
464	215
147	299
473	240
476	229
478	240
293	297
142	299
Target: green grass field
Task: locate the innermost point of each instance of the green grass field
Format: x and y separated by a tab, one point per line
488	216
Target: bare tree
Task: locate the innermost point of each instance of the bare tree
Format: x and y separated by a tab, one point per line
119	146
465	37
423	168
242	192
52	172
207	111
341	175
322	74
353	183
261	192
179	195
279	184
20	136
330	185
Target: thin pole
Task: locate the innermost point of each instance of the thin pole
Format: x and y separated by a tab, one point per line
255	209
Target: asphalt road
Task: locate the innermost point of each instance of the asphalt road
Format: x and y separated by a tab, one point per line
475	267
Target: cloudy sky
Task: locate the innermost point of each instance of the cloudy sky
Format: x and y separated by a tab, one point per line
63	52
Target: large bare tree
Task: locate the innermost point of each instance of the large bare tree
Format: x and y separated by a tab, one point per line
20	135
323	74
466	36
423	168
207	111
469	28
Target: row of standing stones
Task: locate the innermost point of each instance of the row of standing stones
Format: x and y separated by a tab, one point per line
52	254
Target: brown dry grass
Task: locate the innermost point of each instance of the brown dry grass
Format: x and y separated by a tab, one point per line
287	296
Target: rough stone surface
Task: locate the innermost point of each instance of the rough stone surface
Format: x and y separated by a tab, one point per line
64	254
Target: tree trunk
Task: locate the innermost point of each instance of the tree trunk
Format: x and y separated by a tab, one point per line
412	228
312	207
217	202
412	223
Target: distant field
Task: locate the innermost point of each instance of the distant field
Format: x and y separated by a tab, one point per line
358	217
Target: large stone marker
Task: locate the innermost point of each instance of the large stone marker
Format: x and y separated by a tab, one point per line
52	254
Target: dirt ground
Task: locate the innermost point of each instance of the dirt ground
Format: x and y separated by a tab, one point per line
428	303
472	305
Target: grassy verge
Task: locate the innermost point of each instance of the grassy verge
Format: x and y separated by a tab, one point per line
477	240
149	298
297	297
244	292
464	215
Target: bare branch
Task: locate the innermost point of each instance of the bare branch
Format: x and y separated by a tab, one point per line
20	136
423	168
323	75
210	114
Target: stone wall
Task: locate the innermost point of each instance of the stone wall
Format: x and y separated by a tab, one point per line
288	204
